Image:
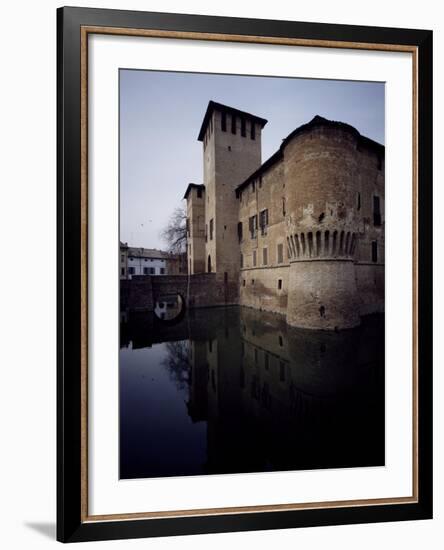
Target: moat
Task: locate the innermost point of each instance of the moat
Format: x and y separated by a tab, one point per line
231	390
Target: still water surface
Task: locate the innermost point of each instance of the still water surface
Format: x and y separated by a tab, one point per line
237	390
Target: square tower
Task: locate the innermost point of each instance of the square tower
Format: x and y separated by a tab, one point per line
232	151
195	197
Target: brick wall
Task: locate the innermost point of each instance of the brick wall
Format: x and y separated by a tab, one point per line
199	290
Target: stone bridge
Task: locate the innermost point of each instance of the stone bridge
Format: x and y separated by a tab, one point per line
201	290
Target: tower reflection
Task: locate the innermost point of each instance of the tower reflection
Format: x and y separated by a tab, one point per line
257	395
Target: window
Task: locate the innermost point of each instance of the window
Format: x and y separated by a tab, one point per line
224	122
254	258
253	130
263	221
359	201
243	282
374	251
162	271
225	277
131	270
199	193
280	253
131	258
122	258
239	231
145	271
211	228
152	270
252	281
122	271
265	256
242	260
283	206
252	225
243	127
279	284
233	124
187	226
376	211
206	232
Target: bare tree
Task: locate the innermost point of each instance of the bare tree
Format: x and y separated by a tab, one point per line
177	363
175	232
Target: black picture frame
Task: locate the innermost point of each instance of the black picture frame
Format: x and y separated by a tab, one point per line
71	524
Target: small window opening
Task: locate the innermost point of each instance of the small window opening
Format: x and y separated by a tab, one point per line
376	211
374	251
224	122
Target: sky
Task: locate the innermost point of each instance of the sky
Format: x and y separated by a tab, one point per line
161	114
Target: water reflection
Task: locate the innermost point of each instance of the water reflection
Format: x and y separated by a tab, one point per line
236	390
169	307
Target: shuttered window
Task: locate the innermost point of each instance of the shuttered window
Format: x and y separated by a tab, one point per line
263	221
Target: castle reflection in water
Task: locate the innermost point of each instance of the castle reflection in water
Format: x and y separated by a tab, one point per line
229	390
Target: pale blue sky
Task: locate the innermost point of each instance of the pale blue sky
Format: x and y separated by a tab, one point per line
160	118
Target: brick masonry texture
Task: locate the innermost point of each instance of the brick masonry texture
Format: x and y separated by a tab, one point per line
318	257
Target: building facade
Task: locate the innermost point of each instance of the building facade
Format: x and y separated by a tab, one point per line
301	234
148	261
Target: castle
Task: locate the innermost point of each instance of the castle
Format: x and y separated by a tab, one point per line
301	234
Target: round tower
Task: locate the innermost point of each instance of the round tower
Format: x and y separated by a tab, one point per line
321	171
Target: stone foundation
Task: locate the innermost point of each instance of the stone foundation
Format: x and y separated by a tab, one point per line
323	295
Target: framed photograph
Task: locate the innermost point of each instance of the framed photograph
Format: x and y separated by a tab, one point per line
244	274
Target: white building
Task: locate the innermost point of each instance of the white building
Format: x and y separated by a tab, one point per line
146	261
150	261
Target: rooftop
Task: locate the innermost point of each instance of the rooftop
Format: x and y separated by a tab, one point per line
315	122
139	252
214	106
191	186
